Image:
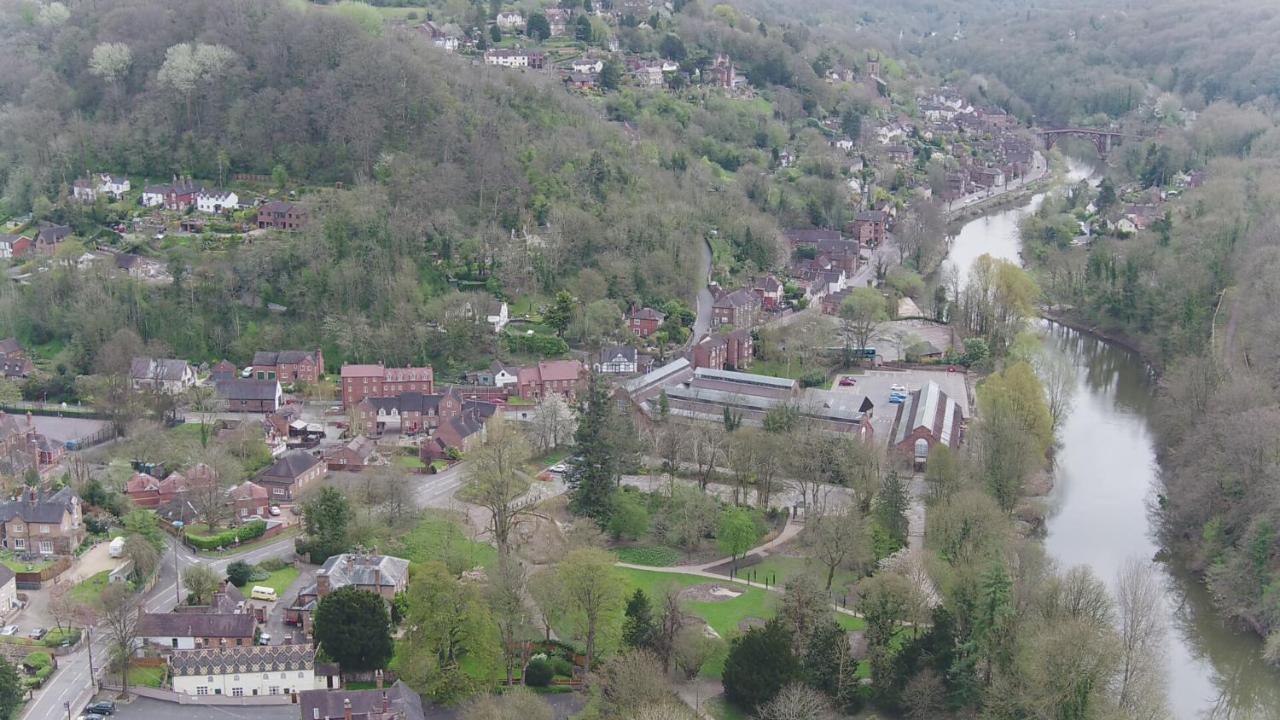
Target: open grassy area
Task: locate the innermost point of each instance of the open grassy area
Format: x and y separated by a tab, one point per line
87	591
653	556
18	565
411	462
436	537
781	568
152	677
280	580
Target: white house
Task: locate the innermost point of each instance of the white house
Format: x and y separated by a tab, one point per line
509	20
246	671
153	195
195	631
619	359
172	376
502	375
8	589
514	58
87	189
216	201
588	65
498	315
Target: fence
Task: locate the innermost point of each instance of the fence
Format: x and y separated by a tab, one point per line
248	177
34	580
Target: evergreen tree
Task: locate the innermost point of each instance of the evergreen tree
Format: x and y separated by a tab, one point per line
353	627
326	519
538	27
593	478
829	664
760	663
495	33
891	507
558	316
638	628
11	691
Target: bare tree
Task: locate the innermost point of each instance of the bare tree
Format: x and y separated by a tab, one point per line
207	481
705	449
506	601
119	617
553	423
61	606
839	539
797	701
516	703
496	482
670	623
1140	685
693	649
1058	375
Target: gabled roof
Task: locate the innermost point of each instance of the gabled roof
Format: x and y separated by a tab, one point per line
247	491
210	625
405	403
245	659
648	313
245	389
330	704
738	298
165	369
284	357
51	234
625	352
365	570
289	467
550	370
10	346
45	509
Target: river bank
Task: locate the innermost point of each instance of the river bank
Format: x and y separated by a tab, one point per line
1072	320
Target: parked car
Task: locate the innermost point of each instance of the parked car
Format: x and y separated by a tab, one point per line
264	639
559	468
848	381
275	511
102	707
9	630
898	388
896	399
37	633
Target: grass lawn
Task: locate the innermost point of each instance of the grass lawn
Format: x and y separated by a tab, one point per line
440	465
784	568
411	462
87	591
651	555
280	580
17	565
152	677
436	537
779	368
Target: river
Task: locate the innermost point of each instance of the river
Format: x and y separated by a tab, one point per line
1105	474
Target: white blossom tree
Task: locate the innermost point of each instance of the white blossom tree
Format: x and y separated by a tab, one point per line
553	423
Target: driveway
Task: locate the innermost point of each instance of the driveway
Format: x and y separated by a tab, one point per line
91	563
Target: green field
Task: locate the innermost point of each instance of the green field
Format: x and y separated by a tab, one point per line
87	591
437	538
780	568
410	462
280	580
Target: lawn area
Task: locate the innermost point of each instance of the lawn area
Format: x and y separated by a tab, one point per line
280	580
781	568
651	555
17	565
411	462
533	466
87	591
152	677
436	537
779	368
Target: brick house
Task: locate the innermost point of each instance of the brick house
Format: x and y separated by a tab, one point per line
769	289
50	237
408	413
290	474
737	308
23	448
926	419
165	374
188	631
44	524
248	499
550	376
869	228
710	352
281	215
146	491
224	370
14	246
255	396
289	366
739	350
356	454
14	362
376	381
399	702
384	575
646	321
463	433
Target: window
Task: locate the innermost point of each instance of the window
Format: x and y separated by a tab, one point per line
173	642
277	491
19	544
284	675
18	528
44	529
237	692
235	677
210	678
301	674
46	547
274	690
202	690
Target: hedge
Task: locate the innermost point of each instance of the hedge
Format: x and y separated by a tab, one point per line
227	538
42	666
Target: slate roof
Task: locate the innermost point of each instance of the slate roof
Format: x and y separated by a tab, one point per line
284	357
738	298
648	313
210	625
242	389
10	346
165	369
366	570
628	353
329	704
46	509
406	403
245	659
289	467
6	575
52	234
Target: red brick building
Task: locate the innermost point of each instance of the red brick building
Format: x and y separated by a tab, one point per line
868	228
724	352
550	376
376	381
926	419
280	215
646	321
737	308
289	366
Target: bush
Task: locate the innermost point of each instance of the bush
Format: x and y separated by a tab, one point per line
542	345
813	378
656	556
239	573
538	673
271	565
227	538
57	638
560	666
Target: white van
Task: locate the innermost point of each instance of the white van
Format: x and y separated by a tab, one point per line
263	593
116	548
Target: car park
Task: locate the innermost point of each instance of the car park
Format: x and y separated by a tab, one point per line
898	388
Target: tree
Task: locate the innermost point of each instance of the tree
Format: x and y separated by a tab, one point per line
593	591
759	665
239	572
736	532
797	701
630	518
1057	374
119	618
891	507
11	690
538	27
352	627
553	423
495	481
495	34
144	556
693	648
548	596
201	582
505	594
326	518
582	29
515	703
805	607
631	681
829	664
638	627
592	480
448	623
1140	684
207	482
611	75
883	600
860	314
560	314
1014	430
839	539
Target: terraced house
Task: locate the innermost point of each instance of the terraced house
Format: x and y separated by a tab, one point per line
289	366
246	671
42	524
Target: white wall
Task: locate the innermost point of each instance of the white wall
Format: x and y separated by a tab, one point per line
250	683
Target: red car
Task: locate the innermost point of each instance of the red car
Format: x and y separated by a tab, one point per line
848	381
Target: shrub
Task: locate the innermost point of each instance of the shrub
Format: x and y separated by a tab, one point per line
538	673
274	564
813	378
227	538
560	666
239	573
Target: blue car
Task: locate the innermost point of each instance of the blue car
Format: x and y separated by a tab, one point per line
896	399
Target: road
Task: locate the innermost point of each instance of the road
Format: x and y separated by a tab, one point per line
1039	168
702	320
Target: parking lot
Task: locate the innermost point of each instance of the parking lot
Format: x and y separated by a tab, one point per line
148	709
876	385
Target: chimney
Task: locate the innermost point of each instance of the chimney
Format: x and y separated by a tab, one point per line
315	713
322	583
346	709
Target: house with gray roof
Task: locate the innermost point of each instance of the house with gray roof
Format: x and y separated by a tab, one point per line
290	474
926	419
245	395
47	524
189	631
165	374
246	671
398	702
382	574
